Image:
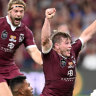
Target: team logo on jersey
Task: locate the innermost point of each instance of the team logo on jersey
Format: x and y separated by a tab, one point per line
63	63
11	45
12	38
4	34
21	37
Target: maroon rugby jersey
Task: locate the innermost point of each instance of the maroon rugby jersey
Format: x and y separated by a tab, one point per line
10	41
60	72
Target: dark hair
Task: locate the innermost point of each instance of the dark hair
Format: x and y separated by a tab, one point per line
15	81
57	37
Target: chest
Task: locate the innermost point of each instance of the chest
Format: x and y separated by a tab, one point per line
10	39
65	67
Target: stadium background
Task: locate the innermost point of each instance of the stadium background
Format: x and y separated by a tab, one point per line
77	14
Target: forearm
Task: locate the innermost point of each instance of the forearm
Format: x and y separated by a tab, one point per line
35	55
89	32
46	31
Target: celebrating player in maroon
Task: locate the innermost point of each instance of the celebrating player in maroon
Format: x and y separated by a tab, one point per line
60	57
12	34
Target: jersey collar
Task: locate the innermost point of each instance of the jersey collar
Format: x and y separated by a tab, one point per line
11	25
63	56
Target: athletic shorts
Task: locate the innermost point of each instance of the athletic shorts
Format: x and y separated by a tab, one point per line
9	73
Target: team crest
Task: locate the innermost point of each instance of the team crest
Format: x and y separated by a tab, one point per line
63	63
21	37
4	34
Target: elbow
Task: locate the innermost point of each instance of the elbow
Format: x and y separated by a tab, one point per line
41	62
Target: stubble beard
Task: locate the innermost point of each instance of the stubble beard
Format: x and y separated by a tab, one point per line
13	21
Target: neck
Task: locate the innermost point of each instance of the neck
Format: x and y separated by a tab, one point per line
58	51
9	18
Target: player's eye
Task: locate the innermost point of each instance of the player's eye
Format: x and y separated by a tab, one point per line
15	11
28	84
21	11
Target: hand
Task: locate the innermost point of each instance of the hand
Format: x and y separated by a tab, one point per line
50	12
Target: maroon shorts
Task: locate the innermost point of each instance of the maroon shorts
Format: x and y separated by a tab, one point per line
2	79
9	73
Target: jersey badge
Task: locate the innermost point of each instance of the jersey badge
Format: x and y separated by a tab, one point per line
63	63
4	34
21	37
70	65
12	38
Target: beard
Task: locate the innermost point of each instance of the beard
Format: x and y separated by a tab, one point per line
14	19
28	93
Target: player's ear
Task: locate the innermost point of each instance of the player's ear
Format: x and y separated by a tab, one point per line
21	91
57	46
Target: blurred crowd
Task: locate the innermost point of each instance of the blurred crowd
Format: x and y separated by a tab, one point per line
76	14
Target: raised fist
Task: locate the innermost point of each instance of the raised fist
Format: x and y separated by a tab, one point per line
50	12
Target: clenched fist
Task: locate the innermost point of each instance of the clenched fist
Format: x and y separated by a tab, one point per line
50	12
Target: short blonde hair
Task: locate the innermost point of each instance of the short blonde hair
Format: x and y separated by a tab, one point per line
11	2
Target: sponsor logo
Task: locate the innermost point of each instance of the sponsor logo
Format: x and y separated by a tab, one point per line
68	79
70	65
12	38
4	34
11	45
6	49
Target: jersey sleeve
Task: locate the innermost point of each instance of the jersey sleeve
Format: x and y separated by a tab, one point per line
29	39
76	46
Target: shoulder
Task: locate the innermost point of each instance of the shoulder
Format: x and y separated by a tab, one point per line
76	47
51	54
2	20
27	30
77	42
24	28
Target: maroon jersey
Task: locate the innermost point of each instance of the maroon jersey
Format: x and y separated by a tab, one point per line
9	42
60	72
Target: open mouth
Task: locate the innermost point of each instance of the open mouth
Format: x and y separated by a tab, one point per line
18	19
68	51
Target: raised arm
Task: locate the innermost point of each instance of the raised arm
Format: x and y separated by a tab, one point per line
46	43
88	32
